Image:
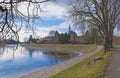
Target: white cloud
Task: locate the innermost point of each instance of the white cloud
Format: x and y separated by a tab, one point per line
49	10
54	10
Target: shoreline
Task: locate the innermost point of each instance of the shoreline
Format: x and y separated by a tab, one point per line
56	48
49	71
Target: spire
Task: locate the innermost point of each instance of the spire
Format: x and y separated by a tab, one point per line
69	30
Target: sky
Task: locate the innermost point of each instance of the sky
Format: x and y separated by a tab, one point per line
53	17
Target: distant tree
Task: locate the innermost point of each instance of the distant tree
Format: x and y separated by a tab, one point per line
64	38
51	33
30	39
11	41
92	36
25	39
34	40
86	37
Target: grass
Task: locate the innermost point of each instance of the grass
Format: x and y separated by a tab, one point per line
88	48
59	53
81	70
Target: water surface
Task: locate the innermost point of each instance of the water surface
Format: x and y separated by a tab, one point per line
18	61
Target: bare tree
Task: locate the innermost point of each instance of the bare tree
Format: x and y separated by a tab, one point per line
92	36
104	15
12	19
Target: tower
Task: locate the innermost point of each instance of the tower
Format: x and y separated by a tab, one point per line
69	30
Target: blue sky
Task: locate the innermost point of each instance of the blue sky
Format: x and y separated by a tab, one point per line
50	22
53	18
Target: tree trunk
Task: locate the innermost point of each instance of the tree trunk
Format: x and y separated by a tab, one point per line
107	44
111	43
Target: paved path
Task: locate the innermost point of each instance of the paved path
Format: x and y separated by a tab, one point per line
47	72
113	70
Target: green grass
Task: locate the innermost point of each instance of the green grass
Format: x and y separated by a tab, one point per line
81	70
88	48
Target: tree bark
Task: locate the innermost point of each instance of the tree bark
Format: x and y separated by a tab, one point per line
111	41
107	44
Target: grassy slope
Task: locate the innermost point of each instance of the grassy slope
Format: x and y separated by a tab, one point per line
81	70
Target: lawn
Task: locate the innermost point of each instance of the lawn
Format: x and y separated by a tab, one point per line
82	70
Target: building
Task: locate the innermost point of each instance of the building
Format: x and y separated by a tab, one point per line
73	35
50	39
56	36
116	40
74	38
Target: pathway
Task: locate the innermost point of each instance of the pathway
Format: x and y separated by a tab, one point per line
113	70
47	72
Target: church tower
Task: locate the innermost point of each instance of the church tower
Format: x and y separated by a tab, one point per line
69	30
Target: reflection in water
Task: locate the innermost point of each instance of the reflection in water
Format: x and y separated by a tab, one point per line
16	61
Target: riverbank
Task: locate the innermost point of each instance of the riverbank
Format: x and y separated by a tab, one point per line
92	67
47	72
61	47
